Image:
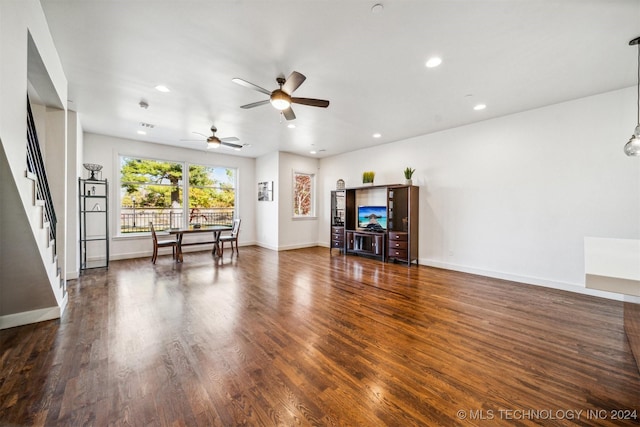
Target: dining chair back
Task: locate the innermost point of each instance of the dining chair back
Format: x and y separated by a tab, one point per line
231	238
172	243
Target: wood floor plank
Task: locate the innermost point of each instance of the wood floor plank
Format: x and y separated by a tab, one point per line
305	338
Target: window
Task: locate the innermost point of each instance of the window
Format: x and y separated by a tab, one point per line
212	195
154	191
303	195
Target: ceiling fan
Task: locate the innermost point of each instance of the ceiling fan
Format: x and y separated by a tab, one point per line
281	98
214	142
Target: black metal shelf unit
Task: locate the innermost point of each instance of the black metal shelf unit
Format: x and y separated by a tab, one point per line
94	223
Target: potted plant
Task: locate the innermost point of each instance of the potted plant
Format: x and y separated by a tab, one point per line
408	173
367	177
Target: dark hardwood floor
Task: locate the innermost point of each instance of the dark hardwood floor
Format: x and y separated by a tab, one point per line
304	338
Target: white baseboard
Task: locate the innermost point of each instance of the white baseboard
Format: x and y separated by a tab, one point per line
28	317
285	248
527	280
270	247
297	246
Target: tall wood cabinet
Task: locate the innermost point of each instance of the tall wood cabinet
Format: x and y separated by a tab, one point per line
337	220
94	223
397	242
402	226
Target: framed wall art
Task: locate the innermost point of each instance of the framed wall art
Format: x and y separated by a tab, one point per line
265	191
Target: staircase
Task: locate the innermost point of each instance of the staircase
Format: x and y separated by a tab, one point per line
45	235
42	201
32	287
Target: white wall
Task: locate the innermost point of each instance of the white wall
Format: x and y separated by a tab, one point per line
105	150
267	211
74	170
18	21
27	54
295	233
514	197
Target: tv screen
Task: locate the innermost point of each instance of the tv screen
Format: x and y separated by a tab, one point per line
369	216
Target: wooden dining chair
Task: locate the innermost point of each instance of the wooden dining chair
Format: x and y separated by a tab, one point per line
231	238
173	244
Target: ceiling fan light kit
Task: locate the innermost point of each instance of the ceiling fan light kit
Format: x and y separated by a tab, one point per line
281	98
214	142
632	148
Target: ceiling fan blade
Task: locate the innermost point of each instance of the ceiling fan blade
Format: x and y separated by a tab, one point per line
255	104
288	114
192	140
198	133
251	86
229	139
310	101
231	145
293	82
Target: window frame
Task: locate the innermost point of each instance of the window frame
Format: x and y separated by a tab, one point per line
184	189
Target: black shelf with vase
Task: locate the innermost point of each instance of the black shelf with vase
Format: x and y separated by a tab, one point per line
94	222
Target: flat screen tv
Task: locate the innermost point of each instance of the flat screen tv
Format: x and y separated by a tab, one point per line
370	217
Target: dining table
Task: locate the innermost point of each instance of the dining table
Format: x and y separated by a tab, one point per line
216	230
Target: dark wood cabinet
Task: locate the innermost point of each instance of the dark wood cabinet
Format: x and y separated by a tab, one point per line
338	212
398	241
337	238
402	205
349	242
366	243
398	244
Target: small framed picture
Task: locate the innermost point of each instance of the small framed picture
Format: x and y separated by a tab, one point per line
265	191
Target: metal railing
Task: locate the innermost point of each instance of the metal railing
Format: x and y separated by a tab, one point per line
35	165
136	220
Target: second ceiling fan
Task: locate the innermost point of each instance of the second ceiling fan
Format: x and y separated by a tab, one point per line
281	98
214	142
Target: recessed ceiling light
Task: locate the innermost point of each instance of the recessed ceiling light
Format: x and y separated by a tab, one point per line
162	88
479	107
291	126
433	62
141	132
377	8
313	151
377	135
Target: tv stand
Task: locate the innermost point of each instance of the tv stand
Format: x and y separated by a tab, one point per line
398	240
369	243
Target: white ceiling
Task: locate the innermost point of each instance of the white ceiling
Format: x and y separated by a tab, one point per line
512	55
